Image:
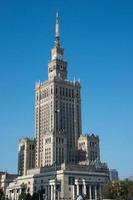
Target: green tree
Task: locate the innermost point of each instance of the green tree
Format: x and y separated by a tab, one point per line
118	190
28	196
35	196
1	194
130	189
106	192
38	195
22	196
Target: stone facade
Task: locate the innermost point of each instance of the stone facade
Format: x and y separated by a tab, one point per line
113	175
26	155
6	179
70	180
89	146
65	163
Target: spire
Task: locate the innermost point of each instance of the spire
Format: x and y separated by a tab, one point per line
57	38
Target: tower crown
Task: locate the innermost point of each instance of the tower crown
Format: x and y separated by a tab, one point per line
57	52
57	34
57	67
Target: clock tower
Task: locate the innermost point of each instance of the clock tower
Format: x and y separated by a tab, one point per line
57	112
57	67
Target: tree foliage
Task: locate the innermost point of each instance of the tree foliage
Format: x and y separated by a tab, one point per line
24	196
118	190
38	195
1	194
35	196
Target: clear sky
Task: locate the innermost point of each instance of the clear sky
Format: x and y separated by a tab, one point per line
98	39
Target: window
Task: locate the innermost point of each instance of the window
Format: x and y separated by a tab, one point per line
69	92
34	188
72	93
71	180
63	92
56	90
60	91
51	90
66	92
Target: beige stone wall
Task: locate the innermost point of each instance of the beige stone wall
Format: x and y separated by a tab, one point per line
90	144
26	155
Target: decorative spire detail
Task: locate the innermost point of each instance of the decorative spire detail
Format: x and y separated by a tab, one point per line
57	35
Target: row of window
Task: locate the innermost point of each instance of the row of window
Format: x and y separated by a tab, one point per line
93	156
93	144
62	91
48	141
59	140
67	92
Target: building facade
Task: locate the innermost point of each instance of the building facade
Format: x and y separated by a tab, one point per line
71	181
89	146
113	174
61	161
57	112
26	155
6	179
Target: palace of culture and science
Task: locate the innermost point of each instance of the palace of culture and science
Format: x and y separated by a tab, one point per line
60	160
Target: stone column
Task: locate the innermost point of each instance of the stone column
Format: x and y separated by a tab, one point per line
100	192
73	188
84	187
49	194
95	192
10	192
90	194
47	191
52	192
17	194
77	188
14	194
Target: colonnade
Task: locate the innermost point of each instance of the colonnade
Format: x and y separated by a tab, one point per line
49	192
80	187
14	193
92	190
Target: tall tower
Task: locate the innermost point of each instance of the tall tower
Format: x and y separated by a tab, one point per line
26	156
57	112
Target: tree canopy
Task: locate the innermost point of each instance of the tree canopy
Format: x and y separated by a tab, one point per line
1	194
118	190
24	196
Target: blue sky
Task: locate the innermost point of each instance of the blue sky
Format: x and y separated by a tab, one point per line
98	41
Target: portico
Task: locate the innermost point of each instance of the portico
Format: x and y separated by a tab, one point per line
90	189
72	180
